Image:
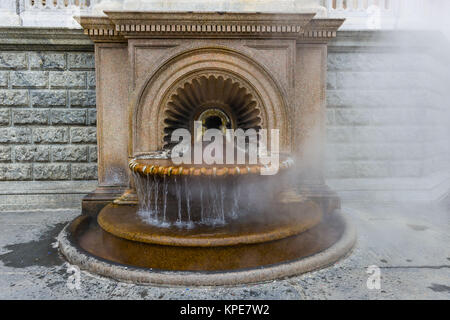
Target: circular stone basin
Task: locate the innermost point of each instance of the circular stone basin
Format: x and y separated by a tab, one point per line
150	165
83	242
278	222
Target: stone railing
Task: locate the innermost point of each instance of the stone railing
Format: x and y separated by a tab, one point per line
364	14
360	14
54	13
384	14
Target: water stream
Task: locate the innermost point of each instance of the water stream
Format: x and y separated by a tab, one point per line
186	201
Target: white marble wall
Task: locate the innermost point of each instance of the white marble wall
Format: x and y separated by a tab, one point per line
8	13
60	13
213	5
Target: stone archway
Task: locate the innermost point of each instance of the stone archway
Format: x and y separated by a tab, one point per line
261	95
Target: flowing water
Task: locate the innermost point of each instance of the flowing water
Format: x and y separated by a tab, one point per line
186	201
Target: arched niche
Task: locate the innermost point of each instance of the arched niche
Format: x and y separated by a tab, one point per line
148	110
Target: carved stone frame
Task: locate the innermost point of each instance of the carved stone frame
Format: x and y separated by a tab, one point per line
150	100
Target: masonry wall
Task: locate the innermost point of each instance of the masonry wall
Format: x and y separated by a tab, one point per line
47	116
386	116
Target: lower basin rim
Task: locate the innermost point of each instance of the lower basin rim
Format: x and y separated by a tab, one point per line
130	274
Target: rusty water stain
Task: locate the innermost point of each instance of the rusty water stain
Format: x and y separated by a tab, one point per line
34	253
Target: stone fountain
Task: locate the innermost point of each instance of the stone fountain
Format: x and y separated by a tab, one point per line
154	221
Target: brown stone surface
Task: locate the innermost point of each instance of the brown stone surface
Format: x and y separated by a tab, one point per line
112	114
165	167
190	61
94	240
97	200
291	219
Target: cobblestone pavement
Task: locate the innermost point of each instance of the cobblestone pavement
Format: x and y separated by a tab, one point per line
409	243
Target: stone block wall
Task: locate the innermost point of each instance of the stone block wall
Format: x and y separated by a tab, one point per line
388	117
47	116
385	118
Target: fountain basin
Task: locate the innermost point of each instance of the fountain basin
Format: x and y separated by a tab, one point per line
192	195
124	222
165	167
161	223
85	243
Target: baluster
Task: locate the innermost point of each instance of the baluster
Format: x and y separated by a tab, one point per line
399	11
339	4
60	4
397	7
389	5
405	6
422	6
38	4
424	14
414	6
348	5
360	5
329	5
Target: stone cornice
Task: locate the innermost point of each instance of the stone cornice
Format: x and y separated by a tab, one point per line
210	24
120	25
321	29
100	29
44	39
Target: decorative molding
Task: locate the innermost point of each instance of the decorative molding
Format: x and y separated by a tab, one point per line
119	25
100	29
321	29
44	39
